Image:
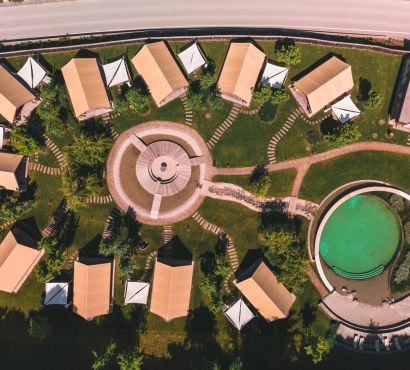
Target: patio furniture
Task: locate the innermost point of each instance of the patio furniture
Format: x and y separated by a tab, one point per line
361	341
377	345
386	342
355	341
397	343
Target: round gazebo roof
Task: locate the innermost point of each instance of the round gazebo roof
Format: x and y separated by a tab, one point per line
163	168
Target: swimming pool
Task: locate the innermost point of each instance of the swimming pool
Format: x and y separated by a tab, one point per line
360	237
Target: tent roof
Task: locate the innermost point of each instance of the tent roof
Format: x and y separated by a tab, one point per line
92	289
18	257
13	94
32	72
159	70
56	293
9	164
116	72
136	292
192	58
85	85
266	294
275	75
239	314
171	290
241	70
326	83
345	109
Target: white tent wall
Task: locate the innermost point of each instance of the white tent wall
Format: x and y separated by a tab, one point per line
192	58
345	109
3	132
32	73
56	293
136	292
116	73
274	75
239	314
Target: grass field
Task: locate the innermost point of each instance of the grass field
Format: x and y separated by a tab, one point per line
326	176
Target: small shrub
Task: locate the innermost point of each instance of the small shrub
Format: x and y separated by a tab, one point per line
130	360
290	55
22	141
343	135
268	112
215	103
279	96
396	203
260	188
137	99
374	100
263	94
207	81
317	349
195	100
120	104
403	272
104	360
207	285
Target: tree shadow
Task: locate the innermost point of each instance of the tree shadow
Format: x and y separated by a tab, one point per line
257	173
207	262
308	313
91	249
364	88
329	125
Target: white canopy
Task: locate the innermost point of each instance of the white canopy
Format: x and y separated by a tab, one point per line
345	109
56	293
192	58
32	72
136	292
116	73
239	314
3	131
275	75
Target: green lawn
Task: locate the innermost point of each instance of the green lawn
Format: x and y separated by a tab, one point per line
282	182
326	176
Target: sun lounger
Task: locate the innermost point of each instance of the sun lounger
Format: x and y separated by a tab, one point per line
355	341
397	343
386	342
361	343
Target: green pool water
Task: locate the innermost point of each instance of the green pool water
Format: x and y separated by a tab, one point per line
360	238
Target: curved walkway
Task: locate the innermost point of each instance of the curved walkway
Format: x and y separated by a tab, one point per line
216	230
303	164
188	110
44	169
99	199
250	112
315	122
281	133
224	126
109	126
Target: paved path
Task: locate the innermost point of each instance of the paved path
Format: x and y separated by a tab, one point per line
188	110
56	220
372	17
99	199
281	133
45	169
224	126
302	165
317	283
109	126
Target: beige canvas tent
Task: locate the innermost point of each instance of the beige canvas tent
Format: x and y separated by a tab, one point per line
13	171
18	257
262	289
161	73
240	72
171	289
13	95
86	88
323	85
92	291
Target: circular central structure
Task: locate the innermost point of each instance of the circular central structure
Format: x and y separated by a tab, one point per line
360	237
163	168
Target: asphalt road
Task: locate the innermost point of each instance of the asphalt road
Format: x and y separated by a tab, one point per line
372	17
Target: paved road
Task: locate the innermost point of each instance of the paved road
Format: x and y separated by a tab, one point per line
374	17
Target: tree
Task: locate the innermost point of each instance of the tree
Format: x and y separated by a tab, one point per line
216	304
76	189
373	101
195	100
279	96
260	188
40	327
88	151
104	360
222	270
52	264
287	259
214	102
236	365
118	248
22	141
207	285
13	207
207	81
130	360
317	349
126	267
48	93
137	99
396	203
120	104
403	272
48	112
263	94
343	135
289	55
